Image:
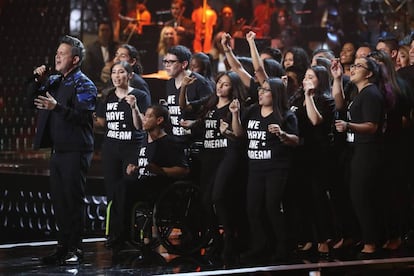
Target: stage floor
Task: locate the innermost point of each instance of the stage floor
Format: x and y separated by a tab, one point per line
24	259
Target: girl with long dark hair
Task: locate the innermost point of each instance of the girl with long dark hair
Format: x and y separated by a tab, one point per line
220	158
271	130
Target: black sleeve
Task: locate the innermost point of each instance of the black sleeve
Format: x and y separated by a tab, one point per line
291	123
143	99
32	91
203	91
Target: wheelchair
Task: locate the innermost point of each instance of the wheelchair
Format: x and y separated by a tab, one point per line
175	221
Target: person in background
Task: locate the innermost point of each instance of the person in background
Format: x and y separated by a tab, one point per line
282	29
159	163
120	114
201	63
114	9
182	25
296	56
221	159
347	56
262	18
398	107
99	53
315	114
324	53
205	18
403	57
388	44
272	53
161	160
66	103
168	38
218	56
227	23
271	130
244	10
252	71
364	129
177	62
129	53
140	17
363	50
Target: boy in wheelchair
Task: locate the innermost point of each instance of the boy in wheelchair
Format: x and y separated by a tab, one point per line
160	163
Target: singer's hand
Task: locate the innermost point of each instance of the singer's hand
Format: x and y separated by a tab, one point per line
40	72
48	102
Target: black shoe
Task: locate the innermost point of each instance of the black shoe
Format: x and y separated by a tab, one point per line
74	257
56	258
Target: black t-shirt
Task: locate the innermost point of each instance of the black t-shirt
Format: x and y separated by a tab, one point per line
118	116
212	138
252	92
367	106
265	150
163	152
197	94
138	82
319	134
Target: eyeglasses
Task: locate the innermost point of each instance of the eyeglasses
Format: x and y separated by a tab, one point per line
260	88
169	61
358	65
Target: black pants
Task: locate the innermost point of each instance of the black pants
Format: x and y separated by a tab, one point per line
309	208
365	189
265	191
115	158
221	185
67	178
345	221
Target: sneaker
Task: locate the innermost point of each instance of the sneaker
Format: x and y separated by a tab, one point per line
56	258
74	257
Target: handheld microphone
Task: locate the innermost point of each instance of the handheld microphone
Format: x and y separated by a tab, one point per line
48	66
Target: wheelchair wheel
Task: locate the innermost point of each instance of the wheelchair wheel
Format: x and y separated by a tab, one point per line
141	228
179	221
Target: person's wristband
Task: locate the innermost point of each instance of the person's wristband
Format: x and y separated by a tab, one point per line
347	126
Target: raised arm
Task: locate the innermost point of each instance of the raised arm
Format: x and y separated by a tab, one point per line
235	121
313	114
261	74
337	86
136	113
182	100
234	63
